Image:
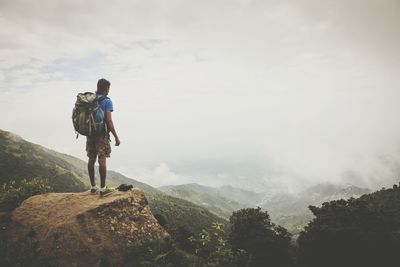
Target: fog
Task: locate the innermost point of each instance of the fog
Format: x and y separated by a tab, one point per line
256	94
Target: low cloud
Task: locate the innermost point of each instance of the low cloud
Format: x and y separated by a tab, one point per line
158	176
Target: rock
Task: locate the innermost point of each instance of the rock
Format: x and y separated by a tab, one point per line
80	229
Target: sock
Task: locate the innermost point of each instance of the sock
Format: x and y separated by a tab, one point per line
103	189
93	187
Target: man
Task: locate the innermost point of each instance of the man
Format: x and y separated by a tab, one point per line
98	146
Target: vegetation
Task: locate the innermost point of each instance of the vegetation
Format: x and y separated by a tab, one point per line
362	232
209	249
13	193
252	241
252	231
155	253
357	232
179	217
212	249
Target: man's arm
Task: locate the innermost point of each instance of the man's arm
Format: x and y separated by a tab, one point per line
110	126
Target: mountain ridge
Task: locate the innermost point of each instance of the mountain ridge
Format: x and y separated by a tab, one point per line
16	152
288	210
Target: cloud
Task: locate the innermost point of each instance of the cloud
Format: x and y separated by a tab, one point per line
158	176
251	93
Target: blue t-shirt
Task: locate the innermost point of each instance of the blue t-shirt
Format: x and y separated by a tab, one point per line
106	104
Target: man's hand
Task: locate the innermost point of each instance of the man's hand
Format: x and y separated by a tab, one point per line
110	125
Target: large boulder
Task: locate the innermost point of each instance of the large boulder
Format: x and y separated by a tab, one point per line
80	229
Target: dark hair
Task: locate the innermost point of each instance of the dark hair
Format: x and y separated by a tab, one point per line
103	85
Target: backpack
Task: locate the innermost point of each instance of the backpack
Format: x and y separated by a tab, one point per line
124	187
88	117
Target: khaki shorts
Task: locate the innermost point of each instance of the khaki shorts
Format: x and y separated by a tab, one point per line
98	146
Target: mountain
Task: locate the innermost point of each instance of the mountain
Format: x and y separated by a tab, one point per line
20	159
291	210
225	191
220	200
288	210
296	204
199	194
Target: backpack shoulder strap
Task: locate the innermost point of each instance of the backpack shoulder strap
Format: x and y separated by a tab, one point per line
102	98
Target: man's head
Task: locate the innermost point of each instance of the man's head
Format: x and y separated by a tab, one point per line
103	86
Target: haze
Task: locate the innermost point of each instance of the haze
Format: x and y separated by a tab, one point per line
256	94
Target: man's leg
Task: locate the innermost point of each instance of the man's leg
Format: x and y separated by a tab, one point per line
102	171
91	163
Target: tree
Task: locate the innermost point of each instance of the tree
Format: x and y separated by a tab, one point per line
267	244
356	232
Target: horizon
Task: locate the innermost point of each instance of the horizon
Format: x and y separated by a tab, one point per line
253	94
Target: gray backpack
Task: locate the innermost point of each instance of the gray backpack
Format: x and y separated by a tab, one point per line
87	116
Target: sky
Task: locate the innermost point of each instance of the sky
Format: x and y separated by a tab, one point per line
256	94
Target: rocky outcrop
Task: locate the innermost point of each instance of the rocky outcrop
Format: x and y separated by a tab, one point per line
80	229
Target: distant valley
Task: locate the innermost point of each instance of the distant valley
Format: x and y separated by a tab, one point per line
288	210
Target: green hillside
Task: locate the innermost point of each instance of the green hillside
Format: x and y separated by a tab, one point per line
20	159
179	212
207	197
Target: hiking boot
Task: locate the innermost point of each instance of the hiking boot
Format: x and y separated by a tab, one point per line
106	191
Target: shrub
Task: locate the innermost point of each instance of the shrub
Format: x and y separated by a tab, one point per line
13	193
210	249
213	250
158	253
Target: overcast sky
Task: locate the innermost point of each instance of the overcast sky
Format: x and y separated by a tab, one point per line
249	93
